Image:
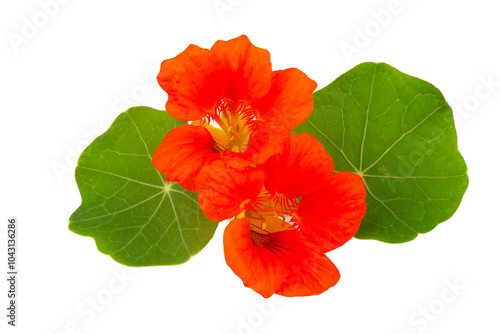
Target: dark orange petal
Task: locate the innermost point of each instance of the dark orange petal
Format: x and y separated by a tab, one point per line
183	153
313	274
248	69
257	267
332	215
300	169
280	262
235	159
289	101
195	81
223	192
264	142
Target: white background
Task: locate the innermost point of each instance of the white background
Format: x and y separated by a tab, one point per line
92	59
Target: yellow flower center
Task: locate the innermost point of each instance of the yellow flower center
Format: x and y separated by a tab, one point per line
270	214
235	121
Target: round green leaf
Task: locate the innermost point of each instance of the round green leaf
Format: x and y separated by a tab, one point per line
397	132
127	207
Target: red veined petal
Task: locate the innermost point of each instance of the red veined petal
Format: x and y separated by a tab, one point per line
332	215
257	267
195	82
313	274
248	69
300	169
264	142
235	160
223	191
289	102
280	262
183	152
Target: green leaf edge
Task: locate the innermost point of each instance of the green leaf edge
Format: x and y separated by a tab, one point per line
74	228
297	130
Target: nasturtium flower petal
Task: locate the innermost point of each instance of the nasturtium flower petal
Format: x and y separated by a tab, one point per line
248	68
195	81
331	216
282	262
223	191
289	102
219	89
264	142
299	169
310	273
184	152
286	214
256	266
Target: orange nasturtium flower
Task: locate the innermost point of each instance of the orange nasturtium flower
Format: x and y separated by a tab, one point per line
232	85
286	214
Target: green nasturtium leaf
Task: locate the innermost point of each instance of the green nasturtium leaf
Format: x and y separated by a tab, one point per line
397	132
133	214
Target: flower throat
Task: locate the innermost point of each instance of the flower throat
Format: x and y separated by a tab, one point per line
237	121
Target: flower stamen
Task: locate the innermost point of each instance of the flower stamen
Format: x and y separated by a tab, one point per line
237	121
